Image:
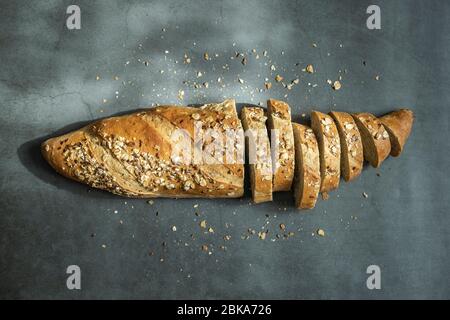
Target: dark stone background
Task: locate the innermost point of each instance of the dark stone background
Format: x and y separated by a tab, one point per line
48	86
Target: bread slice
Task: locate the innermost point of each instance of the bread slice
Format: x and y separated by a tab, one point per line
352	156
258	153
375	138
307	167
398	124
330	150
282	144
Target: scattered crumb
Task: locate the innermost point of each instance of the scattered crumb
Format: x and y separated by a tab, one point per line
321	232
206	56
268	85
377	77
211	230
174	228
187	60
282	226
262	235
310	68
365	195
240	80
325	196
204	247
97	77
337	85
203	224
278	78
103	246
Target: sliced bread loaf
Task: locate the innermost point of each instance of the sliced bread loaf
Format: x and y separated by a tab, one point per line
375	138
307	167
282	144
330	150
258	153
398	124
352	156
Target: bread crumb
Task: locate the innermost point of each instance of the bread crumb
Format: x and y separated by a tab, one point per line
337	85
174	228
206	56
97	77
365	195
278	78
321	232
282	226
310	68
150	202
377	77
211	230
204	247
268	85
203	224
262	235
325	196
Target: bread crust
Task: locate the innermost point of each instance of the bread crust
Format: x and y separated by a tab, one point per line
398	124
258	153
352	156
330	150
282	144
375	138
307	167
132	155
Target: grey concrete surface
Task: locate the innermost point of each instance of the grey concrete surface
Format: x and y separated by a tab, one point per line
48	86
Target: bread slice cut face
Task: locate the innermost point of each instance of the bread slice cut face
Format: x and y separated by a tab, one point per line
258	153
352	156
330	150
375	138
398	124
282	144
307	167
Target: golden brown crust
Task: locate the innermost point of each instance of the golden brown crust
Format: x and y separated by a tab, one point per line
258	153
307	167
352	156
398	124
330	149
375	138
282	138
132	155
